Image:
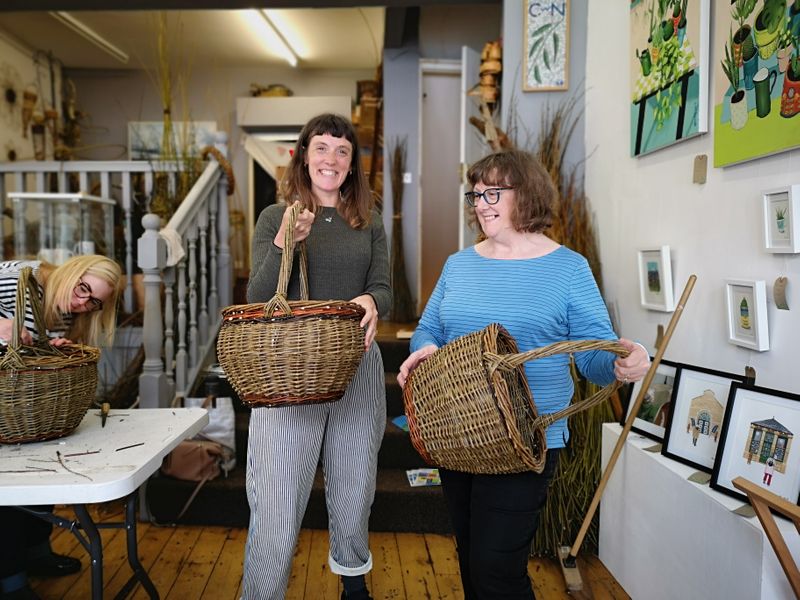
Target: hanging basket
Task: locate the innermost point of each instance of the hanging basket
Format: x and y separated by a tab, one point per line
470	409
291	352
44	391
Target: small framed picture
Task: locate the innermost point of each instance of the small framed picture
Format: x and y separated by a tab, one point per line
655	279
756	442
651	420
694	423
746	302
781	216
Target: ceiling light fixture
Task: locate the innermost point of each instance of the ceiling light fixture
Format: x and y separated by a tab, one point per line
90	34
284	48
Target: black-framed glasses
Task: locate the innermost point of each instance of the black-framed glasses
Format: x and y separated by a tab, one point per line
84	290
489	195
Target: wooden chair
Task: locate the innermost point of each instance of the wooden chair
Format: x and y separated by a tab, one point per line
763	502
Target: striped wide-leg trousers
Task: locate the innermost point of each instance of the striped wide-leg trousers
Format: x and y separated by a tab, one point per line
284	448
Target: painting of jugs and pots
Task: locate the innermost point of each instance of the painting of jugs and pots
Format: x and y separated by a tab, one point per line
669	67
756	79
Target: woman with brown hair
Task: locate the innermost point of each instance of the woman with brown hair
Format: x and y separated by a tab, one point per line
347	260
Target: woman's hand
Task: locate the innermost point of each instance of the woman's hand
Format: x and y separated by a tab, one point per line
370	320
634	366
413	361
7	331
58	342
302	226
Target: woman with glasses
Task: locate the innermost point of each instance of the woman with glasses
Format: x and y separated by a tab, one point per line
542	293
347	260
80	305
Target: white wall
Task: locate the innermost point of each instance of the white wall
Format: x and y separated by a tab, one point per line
714	230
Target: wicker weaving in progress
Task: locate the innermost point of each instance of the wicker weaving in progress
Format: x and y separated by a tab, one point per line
291	352
44	391
470	409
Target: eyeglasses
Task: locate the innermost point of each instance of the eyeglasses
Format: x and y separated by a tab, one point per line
84	290
489	195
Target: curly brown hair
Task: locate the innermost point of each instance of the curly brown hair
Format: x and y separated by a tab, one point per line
356	201
533	187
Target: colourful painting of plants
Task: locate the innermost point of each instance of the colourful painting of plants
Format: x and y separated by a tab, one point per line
669	72
757	79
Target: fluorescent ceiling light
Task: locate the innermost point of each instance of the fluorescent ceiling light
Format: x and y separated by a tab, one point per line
283	47
90	34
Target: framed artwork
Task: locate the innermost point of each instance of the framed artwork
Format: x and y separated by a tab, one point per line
747	313
696	412
781	212
669	70
756	85
546	46
651	420
655	279
756	442
145	138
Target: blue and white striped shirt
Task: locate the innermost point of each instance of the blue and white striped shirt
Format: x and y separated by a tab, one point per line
539	301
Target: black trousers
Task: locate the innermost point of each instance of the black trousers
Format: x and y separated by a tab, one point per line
20	531
495	518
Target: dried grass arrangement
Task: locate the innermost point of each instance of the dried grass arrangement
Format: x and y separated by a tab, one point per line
402	304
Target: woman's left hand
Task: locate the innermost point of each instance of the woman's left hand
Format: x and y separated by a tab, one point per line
634	366
62	341
370	320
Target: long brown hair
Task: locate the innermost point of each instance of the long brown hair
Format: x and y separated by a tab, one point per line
356	201
59	284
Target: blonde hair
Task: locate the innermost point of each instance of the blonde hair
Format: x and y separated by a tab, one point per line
59	284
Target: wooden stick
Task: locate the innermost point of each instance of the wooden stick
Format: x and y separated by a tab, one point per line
648	378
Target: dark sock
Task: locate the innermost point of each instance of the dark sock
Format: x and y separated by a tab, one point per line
355	583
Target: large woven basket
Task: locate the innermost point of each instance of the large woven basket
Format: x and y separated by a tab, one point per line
44	391
470	409
291	352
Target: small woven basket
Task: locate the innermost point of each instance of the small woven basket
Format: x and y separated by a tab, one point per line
291	352
470	409
44	391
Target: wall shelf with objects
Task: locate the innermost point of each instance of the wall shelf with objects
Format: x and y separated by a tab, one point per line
663	536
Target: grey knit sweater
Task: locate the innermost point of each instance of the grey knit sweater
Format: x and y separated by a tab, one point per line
342	262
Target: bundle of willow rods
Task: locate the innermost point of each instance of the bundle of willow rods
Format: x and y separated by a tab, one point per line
402	304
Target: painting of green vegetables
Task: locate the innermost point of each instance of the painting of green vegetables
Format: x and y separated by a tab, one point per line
546	50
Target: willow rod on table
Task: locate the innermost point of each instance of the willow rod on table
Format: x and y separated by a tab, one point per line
568	561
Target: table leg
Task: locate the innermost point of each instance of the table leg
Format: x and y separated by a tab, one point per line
139	574
94	547
637	150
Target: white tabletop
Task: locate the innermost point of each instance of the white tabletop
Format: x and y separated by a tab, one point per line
97	463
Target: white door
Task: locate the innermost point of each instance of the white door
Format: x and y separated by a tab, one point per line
440	179
472	145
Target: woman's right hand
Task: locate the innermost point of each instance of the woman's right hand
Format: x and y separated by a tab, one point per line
302	226
7	331
413	361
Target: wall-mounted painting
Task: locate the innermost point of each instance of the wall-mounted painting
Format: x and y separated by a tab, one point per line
781	216
746	302
757	79
546	46
655	279
669	41
145	138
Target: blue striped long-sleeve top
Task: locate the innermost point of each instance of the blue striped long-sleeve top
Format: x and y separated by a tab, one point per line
539	301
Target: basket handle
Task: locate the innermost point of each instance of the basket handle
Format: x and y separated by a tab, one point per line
509	362
278	301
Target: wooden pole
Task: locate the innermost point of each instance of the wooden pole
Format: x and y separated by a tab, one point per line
648	378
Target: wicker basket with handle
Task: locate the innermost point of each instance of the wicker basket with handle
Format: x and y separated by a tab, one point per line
291	352
44	391
469	407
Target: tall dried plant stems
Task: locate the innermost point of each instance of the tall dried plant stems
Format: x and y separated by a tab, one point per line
164	75
402	304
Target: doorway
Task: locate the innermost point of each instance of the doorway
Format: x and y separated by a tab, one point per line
439	223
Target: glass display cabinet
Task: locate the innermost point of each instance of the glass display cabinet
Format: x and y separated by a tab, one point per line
56	226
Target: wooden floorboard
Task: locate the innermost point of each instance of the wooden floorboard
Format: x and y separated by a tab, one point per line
205	563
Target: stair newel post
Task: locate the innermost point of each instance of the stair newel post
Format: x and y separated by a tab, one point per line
224	263
153	386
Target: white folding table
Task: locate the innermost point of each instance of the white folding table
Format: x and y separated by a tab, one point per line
97	463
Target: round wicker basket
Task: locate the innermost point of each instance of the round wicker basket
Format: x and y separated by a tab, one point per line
470	409
291	352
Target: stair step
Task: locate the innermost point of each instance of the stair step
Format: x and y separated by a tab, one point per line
394	394
393	351
223	501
